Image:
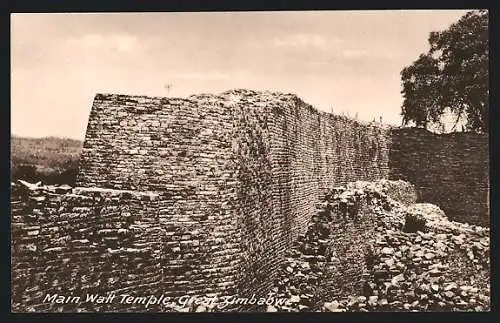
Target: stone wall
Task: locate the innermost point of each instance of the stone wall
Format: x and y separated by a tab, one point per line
238	176
292	154
449	170
87	241
221	185
182	150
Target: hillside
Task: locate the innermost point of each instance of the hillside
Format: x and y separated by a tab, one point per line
50	160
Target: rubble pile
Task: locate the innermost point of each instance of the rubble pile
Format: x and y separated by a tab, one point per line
398	190
426	272
444	266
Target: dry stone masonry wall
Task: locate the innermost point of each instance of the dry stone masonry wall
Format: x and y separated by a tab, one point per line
197	196
449	170
238	176
83	241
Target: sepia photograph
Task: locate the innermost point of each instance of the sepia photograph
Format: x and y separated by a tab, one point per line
250	161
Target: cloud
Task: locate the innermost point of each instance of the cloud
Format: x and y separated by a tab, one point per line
321	50
96	49
302	40
200	76
117	42
114	42
353	53
362	53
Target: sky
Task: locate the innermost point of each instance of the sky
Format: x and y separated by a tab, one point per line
345	62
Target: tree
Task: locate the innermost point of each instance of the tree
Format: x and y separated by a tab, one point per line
453	75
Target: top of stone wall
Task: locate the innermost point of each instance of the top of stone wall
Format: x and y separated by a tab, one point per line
423	131
228	98
25	188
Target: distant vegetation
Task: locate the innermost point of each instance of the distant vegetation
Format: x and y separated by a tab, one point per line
50	160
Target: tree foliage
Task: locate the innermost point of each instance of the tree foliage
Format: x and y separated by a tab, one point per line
453	74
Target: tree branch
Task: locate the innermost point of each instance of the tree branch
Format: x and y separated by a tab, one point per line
456	121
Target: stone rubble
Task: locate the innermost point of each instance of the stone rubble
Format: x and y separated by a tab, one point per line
443	268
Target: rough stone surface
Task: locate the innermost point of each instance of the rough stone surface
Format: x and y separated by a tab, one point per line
202	196
81	242
358	258
243	170
448	170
